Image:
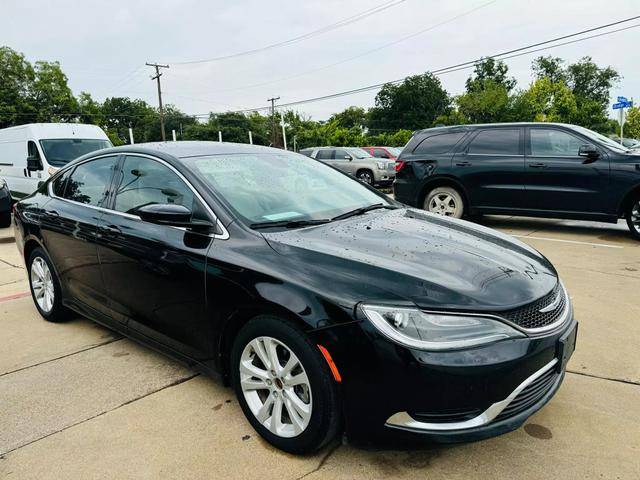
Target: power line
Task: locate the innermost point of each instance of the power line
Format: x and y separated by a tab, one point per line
346	21
363	54
452	68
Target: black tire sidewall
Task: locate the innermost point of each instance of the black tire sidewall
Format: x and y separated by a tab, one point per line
366	172
629	211
58	312
324	421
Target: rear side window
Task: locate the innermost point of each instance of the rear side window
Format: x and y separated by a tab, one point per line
503	141
441	143
147	182
380	153
324	154
88	182
60	183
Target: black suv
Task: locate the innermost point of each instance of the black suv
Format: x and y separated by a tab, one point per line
530	169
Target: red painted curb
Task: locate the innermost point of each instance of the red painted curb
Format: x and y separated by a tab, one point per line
14	296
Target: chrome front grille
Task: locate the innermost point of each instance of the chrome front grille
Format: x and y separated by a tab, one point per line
530	395
541	313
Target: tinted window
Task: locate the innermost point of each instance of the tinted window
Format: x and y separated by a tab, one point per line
324	154
32	149
502	141
88	182
442	143
60	183
146	182
61	151
340	154
547	141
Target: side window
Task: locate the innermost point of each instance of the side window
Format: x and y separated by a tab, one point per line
498	141
146	182
89	181
340	154
60	183
32	149
380	153
324	154
550	142
442	143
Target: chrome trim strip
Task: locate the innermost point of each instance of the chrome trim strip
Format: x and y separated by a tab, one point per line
403	421
222	236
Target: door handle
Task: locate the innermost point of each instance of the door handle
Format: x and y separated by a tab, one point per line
113	229
463	164
52	213
538	165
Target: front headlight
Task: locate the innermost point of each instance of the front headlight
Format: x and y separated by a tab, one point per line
434	331
381	165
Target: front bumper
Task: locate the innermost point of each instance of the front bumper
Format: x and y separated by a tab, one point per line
444	396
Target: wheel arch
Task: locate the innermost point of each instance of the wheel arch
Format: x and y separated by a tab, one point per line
624	203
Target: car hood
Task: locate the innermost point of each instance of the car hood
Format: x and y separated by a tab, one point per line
413	256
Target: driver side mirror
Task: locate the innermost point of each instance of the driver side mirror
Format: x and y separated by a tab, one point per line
589	151
348	157
34	163
172	215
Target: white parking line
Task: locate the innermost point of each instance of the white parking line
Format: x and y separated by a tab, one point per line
603	245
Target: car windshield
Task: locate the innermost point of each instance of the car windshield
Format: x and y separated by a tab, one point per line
278	187
612	144
359	153
61	151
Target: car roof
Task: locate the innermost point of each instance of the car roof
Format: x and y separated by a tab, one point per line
186	149
474	126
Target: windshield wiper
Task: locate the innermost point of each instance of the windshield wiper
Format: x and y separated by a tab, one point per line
363	210
289	223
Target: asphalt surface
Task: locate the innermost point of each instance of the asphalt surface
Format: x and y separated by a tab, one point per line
78	401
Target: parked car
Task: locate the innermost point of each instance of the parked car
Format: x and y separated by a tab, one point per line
29	154
529	169
356	162
390	153
326	304
5	204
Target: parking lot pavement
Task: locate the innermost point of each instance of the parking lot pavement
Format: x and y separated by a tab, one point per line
77	401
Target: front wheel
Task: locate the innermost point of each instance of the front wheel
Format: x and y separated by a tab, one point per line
366	176
284	385
445	201
633	217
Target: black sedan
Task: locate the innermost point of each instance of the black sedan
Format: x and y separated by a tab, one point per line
326	305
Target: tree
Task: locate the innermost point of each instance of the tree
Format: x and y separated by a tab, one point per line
632	125
51	95
350	117
413	104
90	110
490	72
487	104
16	79
549	67
551	101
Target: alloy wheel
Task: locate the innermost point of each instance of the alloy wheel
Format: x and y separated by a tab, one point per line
635	216
443	204
366	177
275	386
42	284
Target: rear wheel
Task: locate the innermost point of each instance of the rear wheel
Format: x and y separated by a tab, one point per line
284	385
633	216
366	176
445	201
45	287
5	220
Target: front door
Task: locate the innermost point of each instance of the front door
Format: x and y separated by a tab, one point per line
558	179
155	274
491	168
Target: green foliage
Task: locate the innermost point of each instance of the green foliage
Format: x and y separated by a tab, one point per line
492	70
487	102
551	101
412	104
632	124
16	79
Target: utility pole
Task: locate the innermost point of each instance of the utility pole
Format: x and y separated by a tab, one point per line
273	119
157	76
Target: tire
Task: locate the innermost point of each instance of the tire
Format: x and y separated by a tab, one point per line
318	397
5	220
445	201
48	303
365	176
633	217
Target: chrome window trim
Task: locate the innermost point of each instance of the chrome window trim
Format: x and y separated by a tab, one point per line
220	236
403	421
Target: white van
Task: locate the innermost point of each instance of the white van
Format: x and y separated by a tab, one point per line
29	154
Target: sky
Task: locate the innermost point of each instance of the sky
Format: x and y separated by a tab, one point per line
103	46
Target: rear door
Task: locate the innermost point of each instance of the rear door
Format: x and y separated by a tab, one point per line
491	168
69	223
344	161
558	179
155	274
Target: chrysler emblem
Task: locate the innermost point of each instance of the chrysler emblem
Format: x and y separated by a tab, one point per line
553	305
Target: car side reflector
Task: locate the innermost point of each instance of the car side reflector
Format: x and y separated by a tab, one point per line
334	370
